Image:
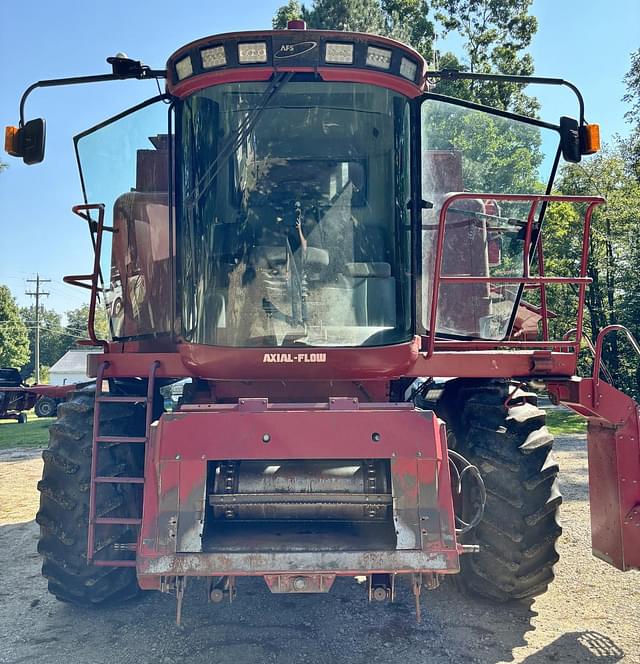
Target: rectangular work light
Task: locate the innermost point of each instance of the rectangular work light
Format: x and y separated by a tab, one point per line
213	57
378	57
408	69
184	68
339	53
252	52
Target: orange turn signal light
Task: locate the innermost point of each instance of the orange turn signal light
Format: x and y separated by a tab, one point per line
11	141
590	139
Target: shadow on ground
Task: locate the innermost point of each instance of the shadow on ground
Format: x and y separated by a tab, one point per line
583	647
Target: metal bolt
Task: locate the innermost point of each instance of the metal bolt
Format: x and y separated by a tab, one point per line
419	453
375	436
266	437
177	457
216	595
379	594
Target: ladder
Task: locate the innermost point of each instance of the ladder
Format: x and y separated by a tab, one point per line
97	441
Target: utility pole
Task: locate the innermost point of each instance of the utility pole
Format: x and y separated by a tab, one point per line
37	294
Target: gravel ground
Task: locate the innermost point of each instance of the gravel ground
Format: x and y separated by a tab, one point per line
590	614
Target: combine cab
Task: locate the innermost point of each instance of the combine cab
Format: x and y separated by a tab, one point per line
14	400
351	277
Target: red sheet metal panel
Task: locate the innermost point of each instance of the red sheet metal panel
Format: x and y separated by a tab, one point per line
473	360
614	467
176	469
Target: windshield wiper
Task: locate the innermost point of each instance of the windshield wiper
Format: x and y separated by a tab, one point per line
235	139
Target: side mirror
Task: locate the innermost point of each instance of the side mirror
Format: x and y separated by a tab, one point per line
27	141
570	140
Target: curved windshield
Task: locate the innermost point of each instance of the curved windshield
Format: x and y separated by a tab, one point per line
292	217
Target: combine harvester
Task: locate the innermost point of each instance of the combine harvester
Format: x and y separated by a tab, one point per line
337	258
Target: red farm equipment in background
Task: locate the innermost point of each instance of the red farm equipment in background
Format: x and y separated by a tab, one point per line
353	284
16	397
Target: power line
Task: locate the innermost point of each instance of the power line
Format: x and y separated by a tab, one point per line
37	294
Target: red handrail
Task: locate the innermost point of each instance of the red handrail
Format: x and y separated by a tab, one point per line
537	281
80	280
604	332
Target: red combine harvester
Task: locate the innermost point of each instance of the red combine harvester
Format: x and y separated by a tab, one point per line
336	257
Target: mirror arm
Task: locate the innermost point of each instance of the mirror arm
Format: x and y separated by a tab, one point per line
454	74
144	73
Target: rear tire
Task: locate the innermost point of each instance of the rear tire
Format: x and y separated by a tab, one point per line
511	446
64	502
45	407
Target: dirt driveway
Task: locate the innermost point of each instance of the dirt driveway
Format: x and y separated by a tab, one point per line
591	614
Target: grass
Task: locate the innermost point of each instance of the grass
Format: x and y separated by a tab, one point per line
35	433
565	423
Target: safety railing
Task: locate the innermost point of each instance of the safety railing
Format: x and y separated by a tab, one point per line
91	281
592	350
532	240
602	335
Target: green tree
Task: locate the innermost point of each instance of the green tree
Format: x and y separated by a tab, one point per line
495	34
632	96
54	340
614	293
77	320
289	12
405	20
354	15
631	147
14	341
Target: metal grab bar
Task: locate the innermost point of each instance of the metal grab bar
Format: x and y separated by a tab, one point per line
91	281
604	332
592	349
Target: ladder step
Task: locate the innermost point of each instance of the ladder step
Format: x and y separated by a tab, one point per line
118	480
117	521
121	439
109	399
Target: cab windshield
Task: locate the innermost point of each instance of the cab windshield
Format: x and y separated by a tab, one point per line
291	211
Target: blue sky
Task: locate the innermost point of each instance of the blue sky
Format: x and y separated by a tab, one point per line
588	43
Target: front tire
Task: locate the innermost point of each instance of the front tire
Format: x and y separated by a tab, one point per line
64	502
498	427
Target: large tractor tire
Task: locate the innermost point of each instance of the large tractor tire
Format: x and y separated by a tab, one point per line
64	502
45	407
499	428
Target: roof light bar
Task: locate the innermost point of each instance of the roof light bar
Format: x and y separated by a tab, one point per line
339	53
297	50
